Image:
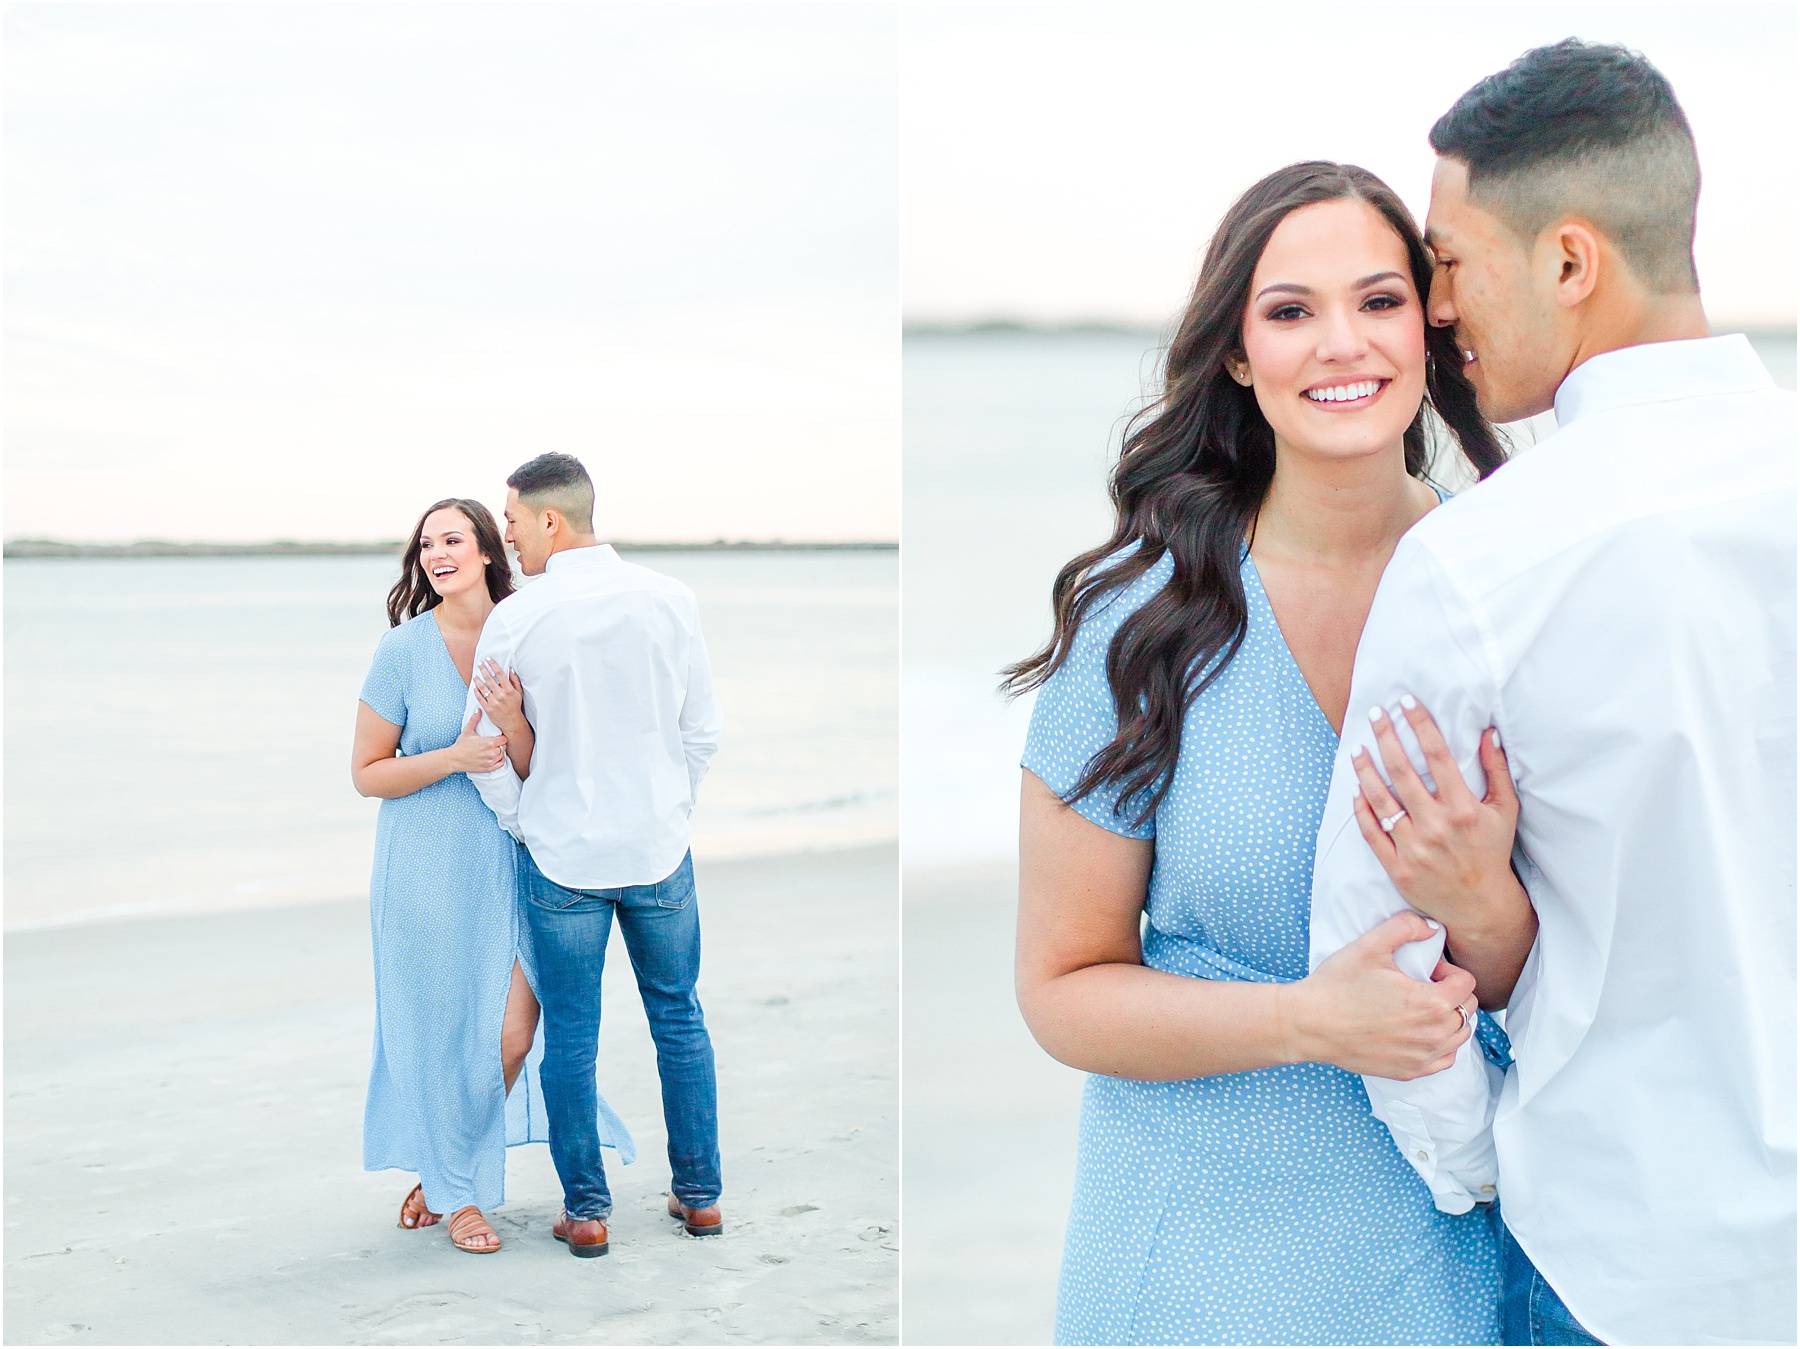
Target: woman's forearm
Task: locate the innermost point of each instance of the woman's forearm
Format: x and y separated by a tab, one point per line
1492	944
403	774
520	740
1131	1021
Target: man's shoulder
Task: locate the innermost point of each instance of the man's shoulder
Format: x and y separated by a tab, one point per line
621	582
1647	464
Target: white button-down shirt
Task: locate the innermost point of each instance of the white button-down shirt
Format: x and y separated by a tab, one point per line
1619	601
620	697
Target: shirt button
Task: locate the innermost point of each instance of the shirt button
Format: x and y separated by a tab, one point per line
1424	1156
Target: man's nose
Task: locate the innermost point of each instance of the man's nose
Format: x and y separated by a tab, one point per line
1440	310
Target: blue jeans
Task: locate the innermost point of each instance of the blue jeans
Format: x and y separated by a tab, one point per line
1530	1310
661	927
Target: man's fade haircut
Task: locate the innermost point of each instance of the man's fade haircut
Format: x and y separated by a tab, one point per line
1585	129
559	482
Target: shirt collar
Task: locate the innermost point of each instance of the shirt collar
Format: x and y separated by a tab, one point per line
570	559
1658	372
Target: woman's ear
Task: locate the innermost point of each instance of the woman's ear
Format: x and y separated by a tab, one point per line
1238	368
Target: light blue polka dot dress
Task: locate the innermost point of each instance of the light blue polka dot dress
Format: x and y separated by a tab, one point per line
444	916
1265	1207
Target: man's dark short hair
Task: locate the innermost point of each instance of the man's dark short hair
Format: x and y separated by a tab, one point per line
1586	129
558	481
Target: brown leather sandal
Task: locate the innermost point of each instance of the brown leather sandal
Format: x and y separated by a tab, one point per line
467	1223
413	1207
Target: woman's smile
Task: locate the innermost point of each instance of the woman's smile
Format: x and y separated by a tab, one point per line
1341	395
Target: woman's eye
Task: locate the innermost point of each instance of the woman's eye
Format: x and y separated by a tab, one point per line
1383	302
1287	311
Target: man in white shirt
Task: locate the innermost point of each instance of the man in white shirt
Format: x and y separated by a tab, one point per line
619	700
1619	603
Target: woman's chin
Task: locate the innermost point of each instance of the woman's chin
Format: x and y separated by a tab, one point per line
451	589
1350	444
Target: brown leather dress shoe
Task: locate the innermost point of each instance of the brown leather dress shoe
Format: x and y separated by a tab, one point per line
585	1237
699	1222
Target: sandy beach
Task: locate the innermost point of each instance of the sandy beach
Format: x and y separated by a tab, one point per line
989	1122
184	1111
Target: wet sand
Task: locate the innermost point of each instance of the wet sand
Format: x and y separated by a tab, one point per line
183	1129
989	1122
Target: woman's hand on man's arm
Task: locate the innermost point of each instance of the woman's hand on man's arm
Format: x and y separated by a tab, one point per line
502	697
1358	1011
1450	854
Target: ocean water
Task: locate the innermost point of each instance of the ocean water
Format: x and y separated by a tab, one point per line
178	729
1007	441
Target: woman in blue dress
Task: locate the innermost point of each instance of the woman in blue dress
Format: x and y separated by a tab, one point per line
1232	1186
457	1044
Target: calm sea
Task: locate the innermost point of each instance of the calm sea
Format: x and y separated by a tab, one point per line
1007	439
178	729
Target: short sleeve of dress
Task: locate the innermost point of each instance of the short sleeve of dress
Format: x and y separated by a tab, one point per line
1073	719
384	688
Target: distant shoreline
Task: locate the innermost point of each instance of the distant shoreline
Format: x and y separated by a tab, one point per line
1027	328
53	548
1005	327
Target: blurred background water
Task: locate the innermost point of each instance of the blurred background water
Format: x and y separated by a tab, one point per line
178	729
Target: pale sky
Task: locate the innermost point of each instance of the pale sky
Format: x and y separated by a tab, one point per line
1068	162
299	270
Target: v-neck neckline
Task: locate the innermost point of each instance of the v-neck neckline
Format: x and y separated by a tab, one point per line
444	646
1288	651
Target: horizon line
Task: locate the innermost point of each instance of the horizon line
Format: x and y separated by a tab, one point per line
929	327
63	548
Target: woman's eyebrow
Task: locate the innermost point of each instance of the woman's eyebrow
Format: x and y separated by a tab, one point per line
1289	287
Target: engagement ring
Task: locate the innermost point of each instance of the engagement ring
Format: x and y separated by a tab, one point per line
1387	825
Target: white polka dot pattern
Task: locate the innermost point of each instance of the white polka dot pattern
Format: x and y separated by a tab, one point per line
1266	1207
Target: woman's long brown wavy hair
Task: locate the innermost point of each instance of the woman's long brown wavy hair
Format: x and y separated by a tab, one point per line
1193	471
412	594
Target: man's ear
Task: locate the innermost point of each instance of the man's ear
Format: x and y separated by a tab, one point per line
552	522
1575	249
